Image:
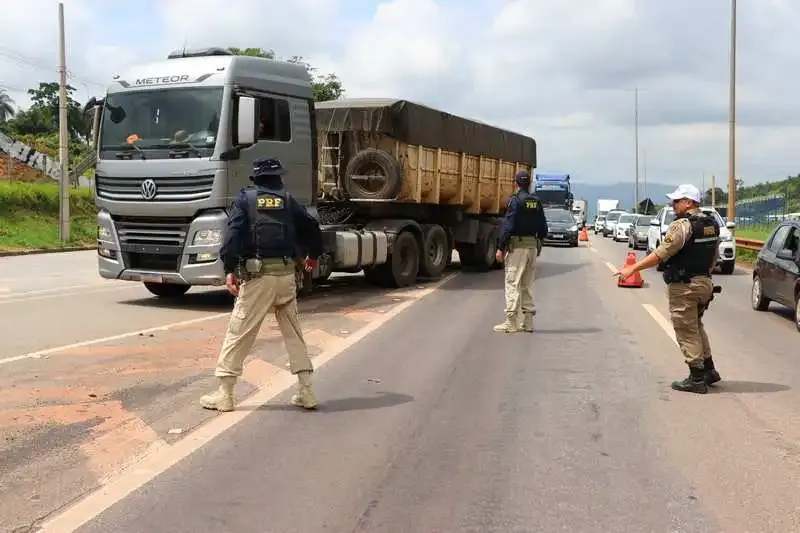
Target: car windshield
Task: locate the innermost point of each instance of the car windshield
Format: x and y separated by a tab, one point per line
558	215
165	118
625	219
613	217
644	220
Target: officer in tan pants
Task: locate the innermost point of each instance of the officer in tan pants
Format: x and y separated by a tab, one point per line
523	228
689	253
265	225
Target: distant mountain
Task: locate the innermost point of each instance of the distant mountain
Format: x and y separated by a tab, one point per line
624	192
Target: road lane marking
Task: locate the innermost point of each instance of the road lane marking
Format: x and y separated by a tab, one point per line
33	296
593	250
164	458
665	324
612	268
90	342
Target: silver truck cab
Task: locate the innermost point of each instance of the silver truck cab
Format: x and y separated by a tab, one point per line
176	142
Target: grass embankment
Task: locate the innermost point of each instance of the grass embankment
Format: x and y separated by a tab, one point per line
757	232
29	217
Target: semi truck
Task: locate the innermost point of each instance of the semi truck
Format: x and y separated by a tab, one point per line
554	190
396	186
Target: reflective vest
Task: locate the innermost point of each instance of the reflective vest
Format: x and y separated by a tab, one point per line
527	218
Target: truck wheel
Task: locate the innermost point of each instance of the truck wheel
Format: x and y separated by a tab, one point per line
485	249
166	290
434	251
402	265
373	174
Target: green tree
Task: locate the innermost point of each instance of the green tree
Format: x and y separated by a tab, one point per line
7	110
41	118
646	207
720	196
324	87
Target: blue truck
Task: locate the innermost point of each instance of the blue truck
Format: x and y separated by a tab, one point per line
554	190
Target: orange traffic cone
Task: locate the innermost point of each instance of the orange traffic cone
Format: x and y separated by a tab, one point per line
584	235
636	279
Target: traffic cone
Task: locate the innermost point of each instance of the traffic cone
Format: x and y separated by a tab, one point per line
584	235
636	279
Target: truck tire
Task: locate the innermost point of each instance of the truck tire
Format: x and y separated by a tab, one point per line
484	249
402	265
435	250
367	162
166	290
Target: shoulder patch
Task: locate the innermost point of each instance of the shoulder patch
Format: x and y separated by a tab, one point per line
266	201
709	231
531	204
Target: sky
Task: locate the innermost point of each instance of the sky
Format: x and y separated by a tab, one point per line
563	72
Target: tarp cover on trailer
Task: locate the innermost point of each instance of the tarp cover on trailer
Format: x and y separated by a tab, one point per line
416	124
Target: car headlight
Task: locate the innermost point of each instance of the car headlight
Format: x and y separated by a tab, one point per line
573	228
207	237
726	238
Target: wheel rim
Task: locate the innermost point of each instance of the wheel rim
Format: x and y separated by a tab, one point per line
756	293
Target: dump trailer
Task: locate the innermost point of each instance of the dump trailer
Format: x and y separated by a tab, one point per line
395	185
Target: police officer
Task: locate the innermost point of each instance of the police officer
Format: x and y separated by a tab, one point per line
523	228
689	252
265	225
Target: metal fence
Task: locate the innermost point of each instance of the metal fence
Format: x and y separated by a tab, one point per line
764	211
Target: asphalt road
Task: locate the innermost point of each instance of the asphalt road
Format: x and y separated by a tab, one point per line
433	423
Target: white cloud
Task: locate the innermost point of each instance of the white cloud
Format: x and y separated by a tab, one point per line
563	72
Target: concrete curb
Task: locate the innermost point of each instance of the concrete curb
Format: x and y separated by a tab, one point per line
40	251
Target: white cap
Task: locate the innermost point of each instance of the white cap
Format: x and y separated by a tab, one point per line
690	192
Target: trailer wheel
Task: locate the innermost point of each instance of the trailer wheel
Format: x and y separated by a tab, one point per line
166	290
485	249
434	251
402	265
373	174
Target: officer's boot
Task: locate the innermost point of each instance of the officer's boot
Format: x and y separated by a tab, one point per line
694	382
509	325
527	322
305	395
712	376
222	398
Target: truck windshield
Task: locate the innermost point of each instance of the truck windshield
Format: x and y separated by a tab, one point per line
166	118
552	196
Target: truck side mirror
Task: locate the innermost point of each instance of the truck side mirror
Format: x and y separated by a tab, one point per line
246	132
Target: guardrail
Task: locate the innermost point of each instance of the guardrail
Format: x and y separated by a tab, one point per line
754	245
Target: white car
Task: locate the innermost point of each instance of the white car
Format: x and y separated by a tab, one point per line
727	246
599	222
623	227
611	221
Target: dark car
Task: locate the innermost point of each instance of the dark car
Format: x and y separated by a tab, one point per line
637	237
776	276
561	227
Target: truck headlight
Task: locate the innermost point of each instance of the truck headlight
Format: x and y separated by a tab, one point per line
207	237
103	233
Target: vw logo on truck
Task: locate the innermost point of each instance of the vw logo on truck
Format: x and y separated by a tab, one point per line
149	189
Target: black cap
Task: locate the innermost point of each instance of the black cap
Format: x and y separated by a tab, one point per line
267	166
523	178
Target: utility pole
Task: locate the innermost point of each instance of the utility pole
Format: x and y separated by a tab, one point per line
703	187
713	191
636	142
63	132
644	177
732	121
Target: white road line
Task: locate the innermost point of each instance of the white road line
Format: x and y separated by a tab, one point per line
62	293
611	267
661	321
34	292
40	353
593	249
163	458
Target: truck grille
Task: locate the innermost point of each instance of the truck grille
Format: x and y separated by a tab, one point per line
152	243
168	189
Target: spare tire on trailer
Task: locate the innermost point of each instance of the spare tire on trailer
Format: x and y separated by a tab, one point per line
370	166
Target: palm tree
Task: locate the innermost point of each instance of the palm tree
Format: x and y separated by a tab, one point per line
6	106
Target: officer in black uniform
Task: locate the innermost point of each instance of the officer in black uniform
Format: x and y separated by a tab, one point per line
266	225
522	231
689	252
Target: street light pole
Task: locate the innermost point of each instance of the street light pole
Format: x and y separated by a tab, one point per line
636	142
732	121
63	132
